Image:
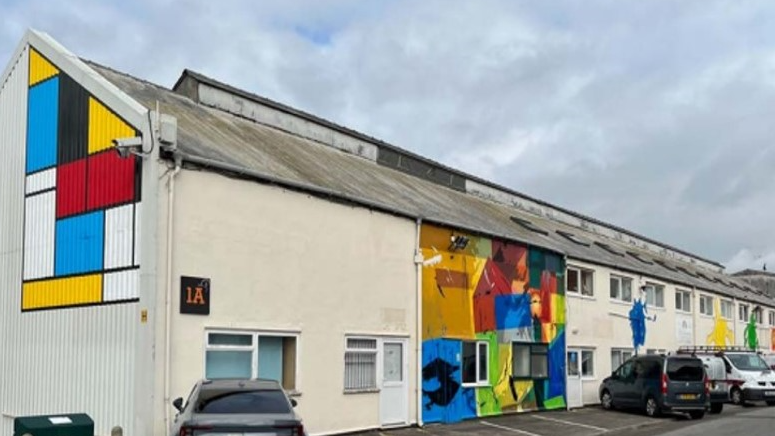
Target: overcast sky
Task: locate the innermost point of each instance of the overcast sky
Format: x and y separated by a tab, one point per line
657	116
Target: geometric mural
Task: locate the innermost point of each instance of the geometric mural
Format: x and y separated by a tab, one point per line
82	201
493	312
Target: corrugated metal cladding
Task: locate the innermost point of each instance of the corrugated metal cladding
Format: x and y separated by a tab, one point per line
68	245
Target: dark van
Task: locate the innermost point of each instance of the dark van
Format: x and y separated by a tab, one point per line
658	383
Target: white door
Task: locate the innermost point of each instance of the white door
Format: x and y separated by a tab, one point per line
574	379
393	401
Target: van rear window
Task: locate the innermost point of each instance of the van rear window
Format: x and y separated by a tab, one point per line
685	370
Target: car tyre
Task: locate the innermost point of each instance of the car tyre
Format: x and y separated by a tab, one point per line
736	396
651	407
697	414
606	400
716	408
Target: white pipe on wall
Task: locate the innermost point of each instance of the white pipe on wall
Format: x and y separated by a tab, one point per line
418	260
168	297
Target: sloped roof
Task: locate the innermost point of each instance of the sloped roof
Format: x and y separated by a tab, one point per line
216	140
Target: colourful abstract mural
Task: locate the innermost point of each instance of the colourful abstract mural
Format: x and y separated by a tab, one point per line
82	200
493	327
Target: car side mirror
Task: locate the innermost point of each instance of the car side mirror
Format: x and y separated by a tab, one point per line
178	403
294	403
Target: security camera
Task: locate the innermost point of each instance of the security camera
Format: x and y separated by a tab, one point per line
127	146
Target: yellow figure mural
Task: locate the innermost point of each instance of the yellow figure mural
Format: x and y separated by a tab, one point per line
721	335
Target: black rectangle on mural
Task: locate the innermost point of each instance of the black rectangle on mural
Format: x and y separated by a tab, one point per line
73	137
194	295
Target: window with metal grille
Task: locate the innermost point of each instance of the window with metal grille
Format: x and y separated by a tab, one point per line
360	364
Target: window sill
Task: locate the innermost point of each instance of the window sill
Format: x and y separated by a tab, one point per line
661	309
580	296
588	378
683	312
619	302
293	393
706	316
476	385
361	391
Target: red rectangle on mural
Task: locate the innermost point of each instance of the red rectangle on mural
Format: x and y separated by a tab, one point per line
111	180
71	188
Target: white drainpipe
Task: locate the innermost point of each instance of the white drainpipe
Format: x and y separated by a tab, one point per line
418	260
168	296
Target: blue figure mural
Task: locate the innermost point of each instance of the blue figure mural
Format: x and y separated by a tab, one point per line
638	318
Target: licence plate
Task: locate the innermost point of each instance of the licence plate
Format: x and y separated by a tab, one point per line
687	396
769	394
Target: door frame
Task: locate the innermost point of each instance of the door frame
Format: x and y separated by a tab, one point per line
404	341
568	379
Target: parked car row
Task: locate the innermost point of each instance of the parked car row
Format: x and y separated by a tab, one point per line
692	380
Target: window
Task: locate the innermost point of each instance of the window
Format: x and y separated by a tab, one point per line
686	370
706	305
683	301
251	355
621	288
726	309
655	295
757	314
530	360
742	312
655	351
475	362
360	364
587	363
619	356
772	318
255	402
580	281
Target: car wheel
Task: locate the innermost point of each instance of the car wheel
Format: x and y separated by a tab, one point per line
736	395
697	414
606	400
651	406
716	408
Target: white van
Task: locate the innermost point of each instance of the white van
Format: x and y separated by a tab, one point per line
748	377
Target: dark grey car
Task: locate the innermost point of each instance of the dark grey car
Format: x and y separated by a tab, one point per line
656	383
236	408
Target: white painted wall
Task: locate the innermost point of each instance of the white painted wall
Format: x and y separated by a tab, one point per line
602	324
285	260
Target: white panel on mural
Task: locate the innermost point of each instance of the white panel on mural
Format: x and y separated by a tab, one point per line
41	181
684	330
138	233
39	236
120	286
118	237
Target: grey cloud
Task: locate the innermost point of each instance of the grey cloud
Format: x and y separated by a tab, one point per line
655	116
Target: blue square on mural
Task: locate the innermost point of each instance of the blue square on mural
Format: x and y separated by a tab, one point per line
443	398
79	244
557	366
42	115
512	311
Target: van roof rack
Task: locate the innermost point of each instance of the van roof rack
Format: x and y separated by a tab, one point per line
711	349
